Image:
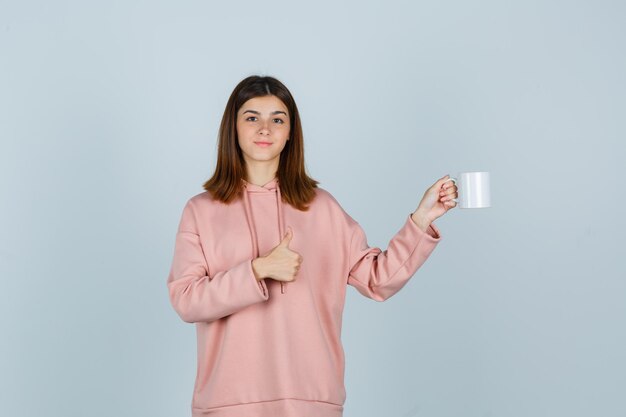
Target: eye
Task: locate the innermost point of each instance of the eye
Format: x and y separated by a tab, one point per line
251	117
280	121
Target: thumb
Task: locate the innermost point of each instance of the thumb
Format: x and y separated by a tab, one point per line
287	237
441	181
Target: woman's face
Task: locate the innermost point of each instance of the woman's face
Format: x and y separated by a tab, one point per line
262	129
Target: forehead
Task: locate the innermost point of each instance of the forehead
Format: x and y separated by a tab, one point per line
265	104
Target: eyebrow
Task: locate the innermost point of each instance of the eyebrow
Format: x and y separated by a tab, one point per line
256	112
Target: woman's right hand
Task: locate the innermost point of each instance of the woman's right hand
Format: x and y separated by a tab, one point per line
281	264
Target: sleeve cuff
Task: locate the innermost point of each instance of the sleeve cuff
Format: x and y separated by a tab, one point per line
431	232
260	285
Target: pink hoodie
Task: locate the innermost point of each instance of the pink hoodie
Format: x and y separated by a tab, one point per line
267	348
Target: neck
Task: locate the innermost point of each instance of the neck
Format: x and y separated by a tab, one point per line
260	174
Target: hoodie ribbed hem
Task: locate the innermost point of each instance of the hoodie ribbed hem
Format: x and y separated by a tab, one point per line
289	407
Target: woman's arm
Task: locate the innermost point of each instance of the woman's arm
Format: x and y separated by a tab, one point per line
421	221
195	296
379	274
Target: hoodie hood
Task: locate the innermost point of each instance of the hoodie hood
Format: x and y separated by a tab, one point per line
271	187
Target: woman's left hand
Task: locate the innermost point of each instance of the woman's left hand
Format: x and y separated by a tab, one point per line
437	199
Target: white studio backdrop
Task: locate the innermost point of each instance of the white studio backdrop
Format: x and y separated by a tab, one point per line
109	114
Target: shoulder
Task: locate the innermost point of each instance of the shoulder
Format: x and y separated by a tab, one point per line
198	204
324	198
201	198
327	201
202	210
198	200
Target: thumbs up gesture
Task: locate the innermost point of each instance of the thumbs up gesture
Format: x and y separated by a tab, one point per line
281	263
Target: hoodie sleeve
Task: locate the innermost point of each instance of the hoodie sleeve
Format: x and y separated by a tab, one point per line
196	296
380	274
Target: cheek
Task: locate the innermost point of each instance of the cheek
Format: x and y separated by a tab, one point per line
244	131
285	132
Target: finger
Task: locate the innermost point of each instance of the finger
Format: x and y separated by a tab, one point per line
443	180
439	183
449	191
449	197
445	183
288	236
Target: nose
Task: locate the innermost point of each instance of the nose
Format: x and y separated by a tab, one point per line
264	130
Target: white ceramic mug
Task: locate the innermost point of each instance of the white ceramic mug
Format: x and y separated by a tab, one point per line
474	189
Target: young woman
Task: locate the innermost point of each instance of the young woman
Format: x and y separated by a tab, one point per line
261	263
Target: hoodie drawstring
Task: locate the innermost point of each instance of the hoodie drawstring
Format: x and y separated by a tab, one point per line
252	229
281	227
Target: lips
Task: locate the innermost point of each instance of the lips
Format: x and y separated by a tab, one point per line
263	144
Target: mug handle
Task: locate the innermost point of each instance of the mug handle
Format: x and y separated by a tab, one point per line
454	180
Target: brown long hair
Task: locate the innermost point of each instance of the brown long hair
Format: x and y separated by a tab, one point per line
296	187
